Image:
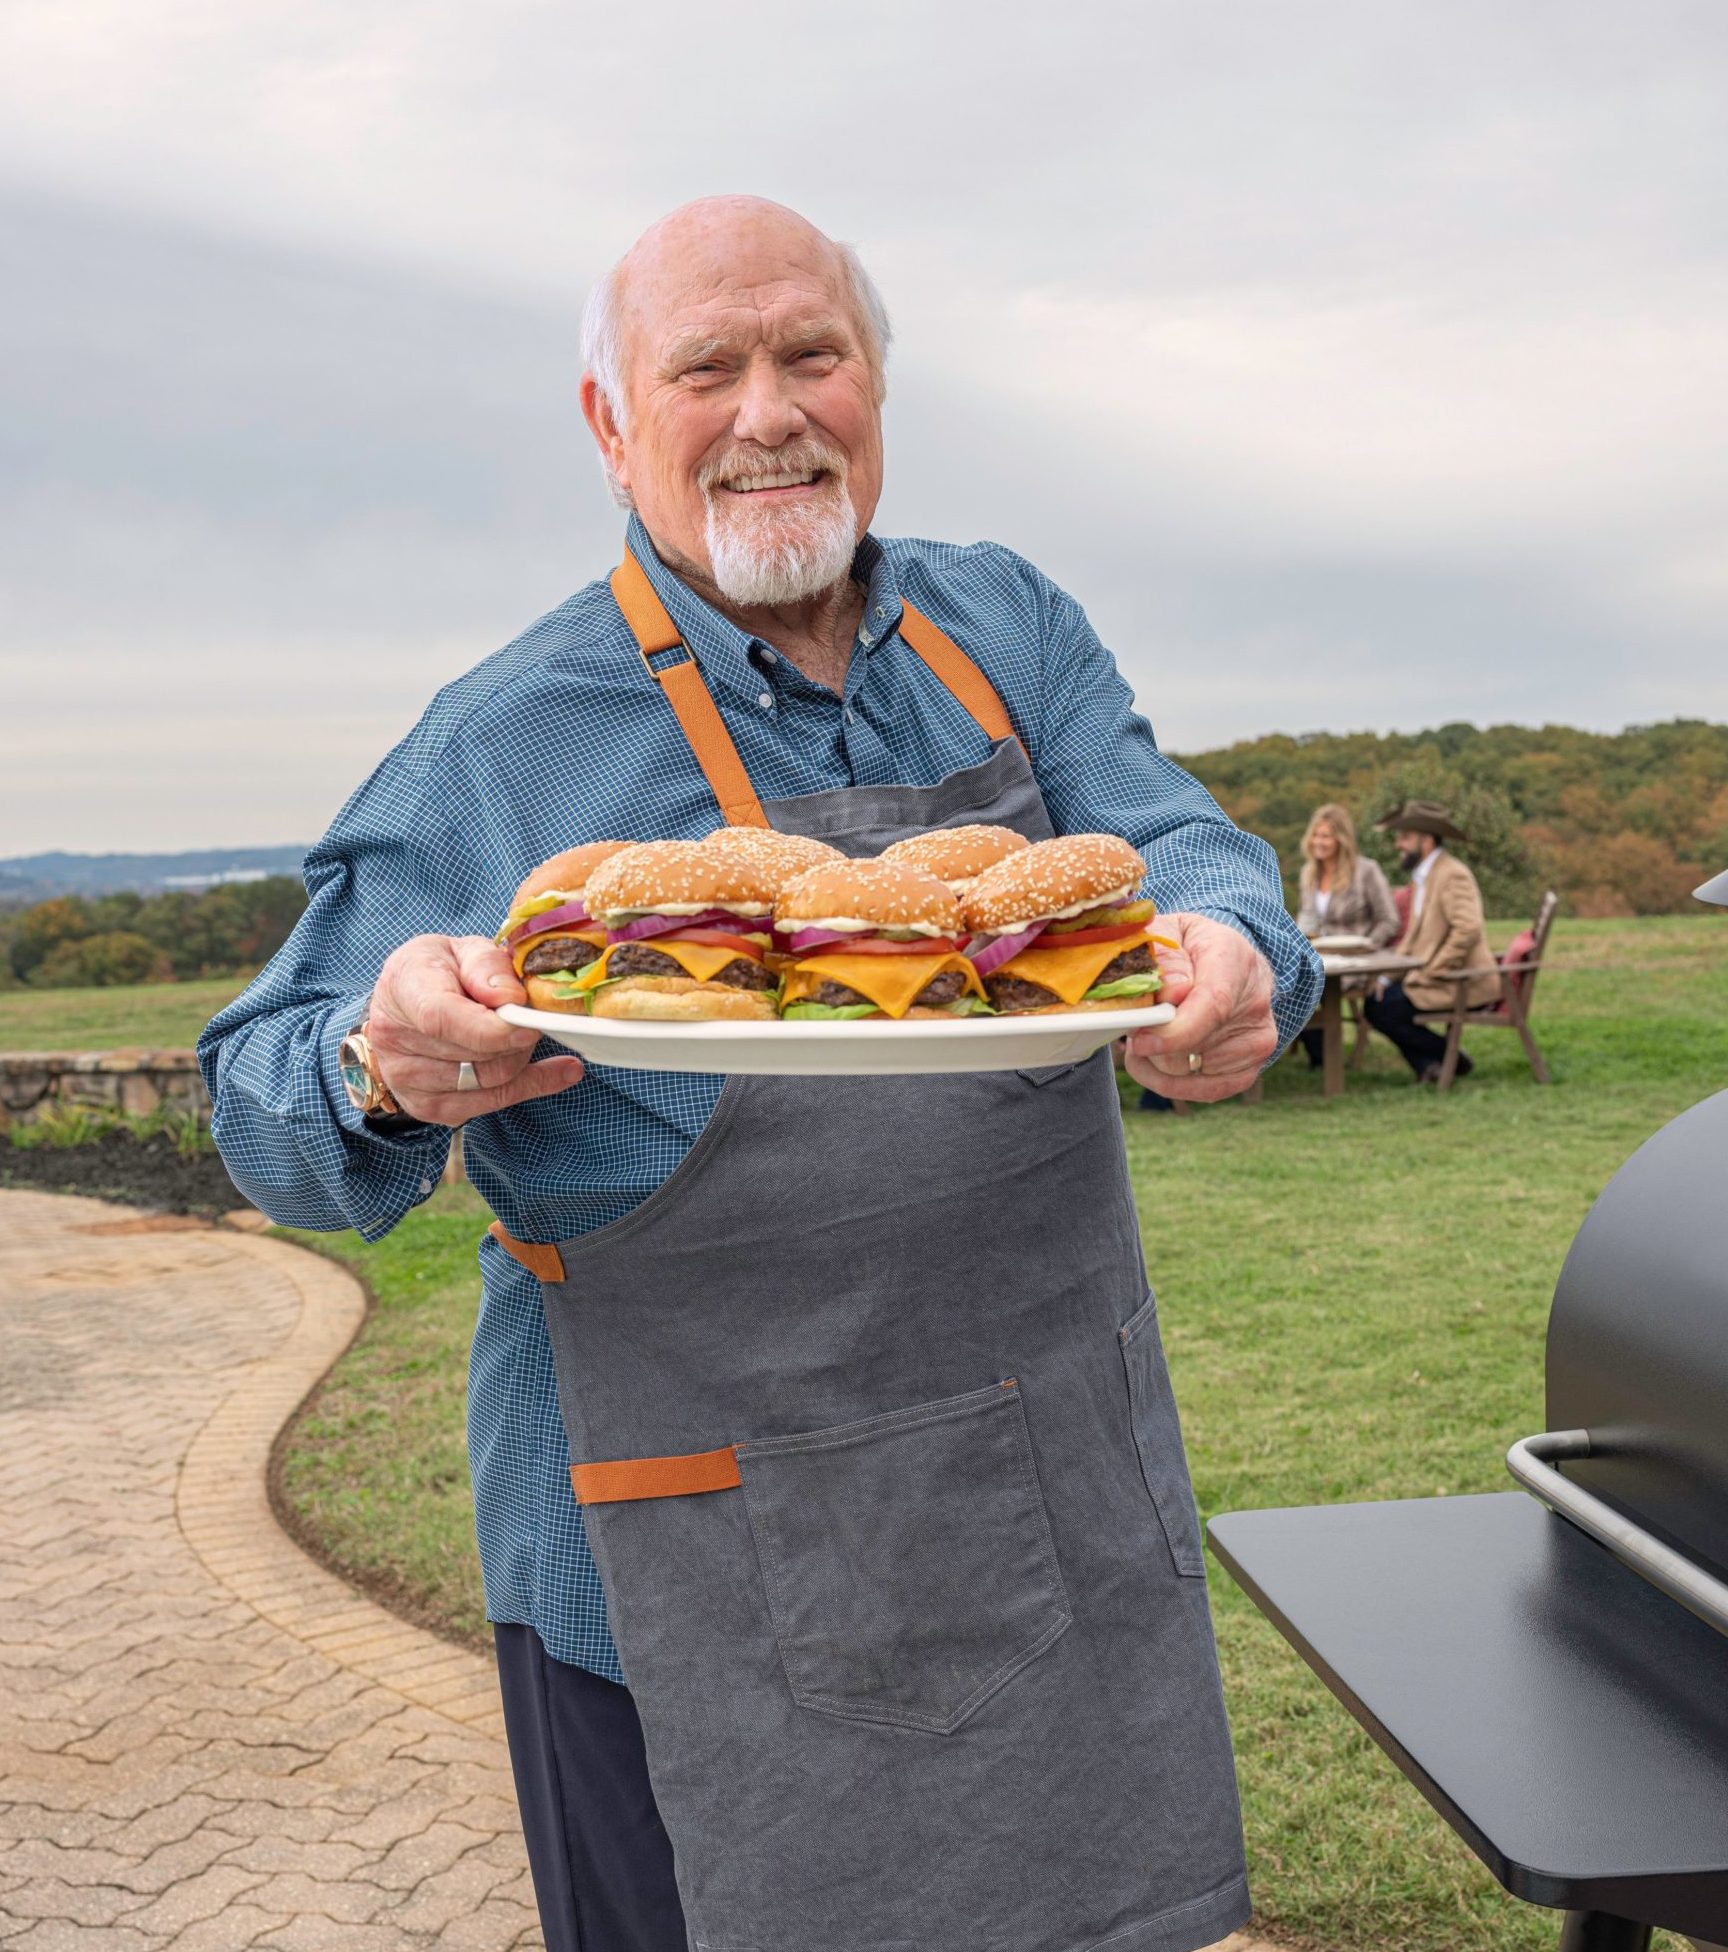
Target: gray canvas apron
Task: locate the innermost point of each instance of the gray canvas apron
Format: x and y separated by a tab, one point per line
931	1668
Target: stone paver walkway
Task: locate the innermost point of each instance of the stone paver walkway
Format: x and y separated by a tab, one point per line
206	1741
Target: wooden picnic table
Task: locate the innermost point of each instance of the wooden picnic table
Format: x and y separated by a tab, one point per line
1371	962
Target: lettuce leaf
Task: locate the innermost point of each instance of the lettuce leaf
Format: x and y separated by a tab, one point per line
829	1012
563	983
1125	986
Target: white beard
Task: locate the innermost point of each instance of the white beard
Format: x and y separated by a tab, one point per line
762	559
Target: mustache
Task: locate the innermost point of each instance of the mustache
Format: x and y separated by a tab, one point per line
805	456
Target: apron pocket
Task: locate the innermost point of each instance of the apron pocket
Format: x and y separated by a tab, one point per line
908	1559
1158	1439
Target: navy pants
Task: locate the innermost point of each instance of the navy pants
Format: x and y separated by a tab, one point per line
600	1855
1394	1016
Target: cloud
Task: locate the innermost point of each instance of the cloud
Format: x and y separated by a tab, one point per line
1355	364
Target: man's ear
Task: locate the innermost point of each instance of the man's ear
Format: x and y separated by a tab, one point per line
603	424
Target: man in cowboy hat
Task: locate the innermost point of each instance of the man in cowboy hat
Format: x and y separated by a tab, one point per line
1446	932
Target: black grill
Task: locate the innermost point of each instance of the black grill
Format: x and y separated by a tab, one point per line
1555	1680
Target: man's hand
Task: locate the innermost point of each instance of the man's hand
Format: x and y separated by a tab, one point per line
1222	988
433	1009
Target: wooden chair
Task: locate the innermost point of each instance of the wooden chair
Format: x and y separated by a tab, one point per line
1519	968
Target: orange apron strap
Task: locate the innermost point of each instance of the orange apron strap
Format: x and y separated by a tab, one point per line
656	1477
957	671
543	1261
654	631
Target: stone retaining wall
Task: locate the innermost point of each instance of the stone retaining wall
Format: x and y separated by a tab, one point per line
134	1081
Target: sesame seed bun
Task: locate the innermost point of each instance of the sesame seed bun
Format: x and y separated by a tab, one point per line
669	877
1053	880
785	856
956	855
566	873
879	894
679	999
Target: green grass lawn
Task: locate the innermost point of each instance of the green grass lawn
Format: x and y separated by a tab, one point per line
158	1016
1353	1293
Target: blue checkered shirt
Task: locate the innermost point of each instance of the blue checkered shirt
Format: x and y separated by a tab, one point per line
563	737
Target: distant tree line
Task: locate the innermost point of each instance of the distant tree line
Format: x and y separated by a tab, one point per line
76	941
1623	823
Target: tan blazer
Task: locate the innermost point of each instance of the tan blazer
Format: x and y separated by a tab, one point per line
1448	934
1364	908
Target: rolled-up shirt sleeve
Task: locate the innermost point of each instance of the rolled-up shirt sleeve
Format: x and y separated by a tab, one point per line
1100	770
390	867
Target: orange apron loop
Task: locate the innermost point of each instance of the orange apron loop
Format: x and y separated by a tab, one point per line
656	1477
542	1260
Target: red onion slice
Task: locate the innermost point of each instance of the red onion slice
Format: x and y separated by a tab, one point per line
571	915
1003	948
710	918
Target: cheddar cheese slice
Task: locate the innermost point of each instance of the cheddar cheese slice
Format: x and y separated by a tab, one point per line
1070	973
700	961
892	983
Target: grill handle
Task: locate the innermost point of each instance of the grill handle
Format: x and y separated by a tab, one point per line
1696	1590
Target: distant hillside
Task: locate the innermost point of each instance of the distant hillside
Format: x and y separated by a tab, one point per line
40	877
1623	823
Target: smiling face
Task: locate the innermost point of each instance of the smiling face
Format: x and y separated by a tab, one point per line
1323	843
751	441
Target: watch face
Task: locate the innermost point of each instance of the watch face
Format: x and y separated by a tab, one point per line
356	1079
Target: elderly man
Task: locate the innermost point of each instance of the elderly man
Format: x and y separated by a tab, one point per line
1446	931
886	1520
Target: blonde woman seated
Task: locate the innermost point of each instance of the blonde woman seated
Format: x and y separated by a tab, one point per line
1342	891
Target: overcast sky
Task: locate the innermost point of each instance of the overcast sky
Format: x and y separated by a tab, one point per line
1356	362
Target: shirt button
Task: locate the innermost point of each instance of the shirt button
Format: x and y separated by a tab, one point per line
768	656
848	714
766	701
425	1187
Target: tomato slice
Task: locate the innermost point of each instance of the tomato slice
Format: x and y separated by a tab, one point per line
876	945
1078	938
712	938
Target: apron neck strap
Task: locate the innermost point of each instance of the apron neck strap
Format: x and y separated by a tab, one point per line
655	633
971	689
681	680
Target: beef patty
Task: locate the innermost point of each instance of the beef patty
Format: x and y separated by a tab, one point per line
946	988
1015	993
562	952
639	959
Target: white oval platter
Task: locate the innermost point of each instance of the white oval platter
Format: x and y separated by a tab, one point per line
849	1049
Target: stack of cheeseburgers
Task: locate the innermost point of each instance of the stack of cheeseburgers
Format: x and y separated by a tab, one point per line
751	924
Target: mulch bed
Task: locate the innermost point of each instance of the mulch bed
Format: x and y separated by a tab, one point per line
118	1166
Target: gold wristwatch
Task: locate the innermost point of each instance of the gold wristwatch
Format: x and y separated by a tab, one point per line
361	1079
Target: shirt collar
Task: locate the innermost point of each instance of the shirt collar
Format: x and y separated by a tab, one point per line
1419	872
721	649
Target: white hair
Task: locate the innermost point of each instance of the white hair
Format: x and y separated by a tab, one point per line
603	343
